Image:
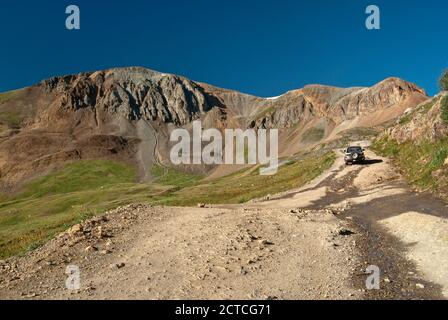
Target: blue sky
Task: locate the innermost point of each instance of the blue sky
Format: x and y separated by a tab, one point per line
260	47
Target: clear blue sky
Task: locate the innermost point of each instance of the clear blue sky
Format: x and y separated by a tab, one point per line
260	47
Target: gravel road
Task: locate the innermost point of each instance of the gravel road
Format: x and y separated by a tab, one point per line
312	243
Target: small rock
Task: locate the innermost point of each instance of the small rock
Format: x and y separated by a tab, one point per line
75	229
101	219
387	280
252	237
89	288
265	242
420	286
109	243
117	266
90	249
345	232
100	232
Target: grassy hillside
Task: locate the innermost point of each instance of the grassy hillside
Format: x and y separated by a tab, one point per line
5	96
81	190
423	162
9	117
52	203
248	184
313	135
422	109
422	153
173	178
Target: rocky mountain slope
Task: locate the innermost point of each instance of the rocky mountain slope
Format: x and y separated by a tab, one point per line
339	104
127	115
418	143
422	122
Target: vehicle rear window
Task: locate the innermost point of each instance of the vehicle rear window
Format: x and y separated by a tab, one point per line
354	149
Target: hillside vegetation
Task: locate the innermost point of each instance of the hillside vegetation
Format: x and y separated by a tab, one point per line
419	144
8	117
423	163
81	190
249	184
52	203
444	109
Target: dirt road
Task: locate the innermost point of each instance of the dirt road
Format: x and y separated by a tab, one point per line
311	243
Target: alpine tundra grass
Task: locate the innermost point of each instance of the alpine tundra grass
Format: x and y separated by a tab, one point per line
53	203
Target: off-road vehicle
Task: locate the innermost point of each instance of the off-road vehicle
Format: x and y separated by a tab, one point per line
354	155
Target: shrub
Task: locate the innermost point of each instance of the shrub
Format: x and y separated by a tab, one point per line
443	81
444	109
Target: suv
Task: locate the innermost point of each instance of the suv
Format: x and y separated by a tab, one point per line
354	154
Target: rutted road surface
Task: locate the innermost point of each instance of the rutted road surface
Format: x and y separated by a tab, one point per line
311	243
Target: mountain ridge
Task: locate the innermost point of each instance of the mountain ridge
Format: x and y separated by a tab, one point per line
127	114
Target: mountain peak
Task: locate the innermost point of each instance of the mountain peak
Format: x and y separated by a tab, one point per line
398	83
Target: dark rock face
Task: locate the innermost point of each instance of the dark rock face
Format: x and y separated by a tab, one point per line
285	112
134	93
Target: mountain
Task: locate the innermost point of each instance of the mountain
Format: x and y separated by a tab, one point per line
127	115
